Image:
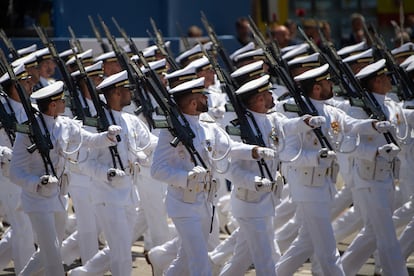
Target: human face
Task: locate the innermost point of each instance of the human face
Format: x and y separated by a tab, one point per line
385	83
60	106
126	96
27	84
208	75
269	103
47	68
326	91
202	105
111	67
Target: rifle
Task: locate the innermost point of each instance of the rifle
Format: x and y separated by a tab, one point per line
354	88
104	46
248	136
144	105
405	86
39	136
217	44
9	44
178	125
79	111
183	37
8	121
278	66
75	41
165	51
102	122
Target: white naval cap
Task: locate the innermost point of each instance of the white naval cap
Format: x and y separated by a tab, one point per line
248	72
407	61
371	70
316	74
258	85
159	66
200	64
305	61
67	54
352	49
190	55
288	48
43	54
85	56
250	55
362	57
51	92
192	86
106	57
180	76
150	52
28	61
410	67
116	80
91	70
404	50
26	51
19	71
300	50
248	47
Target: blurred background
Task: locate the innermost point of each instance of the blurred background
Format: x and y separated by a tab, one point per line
174	17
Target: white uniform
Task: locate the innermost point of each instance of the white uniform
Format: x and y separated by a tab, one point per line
373	194
312	189
21	235
83	243
255	210
47	214
116	206
192	220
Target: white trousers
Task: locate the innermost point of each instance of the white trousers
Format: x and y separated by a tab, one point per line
100	263
86	226
375	207
315	239
21	234
255	244
117	224
50	229
192	254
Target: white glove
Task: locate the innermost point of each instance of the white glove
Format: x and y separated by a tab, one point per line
113	131
388	151
316	121
326	157
5	158
262	184
47	186
383	126
265	153
6	154
195	176
217	112
115	176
